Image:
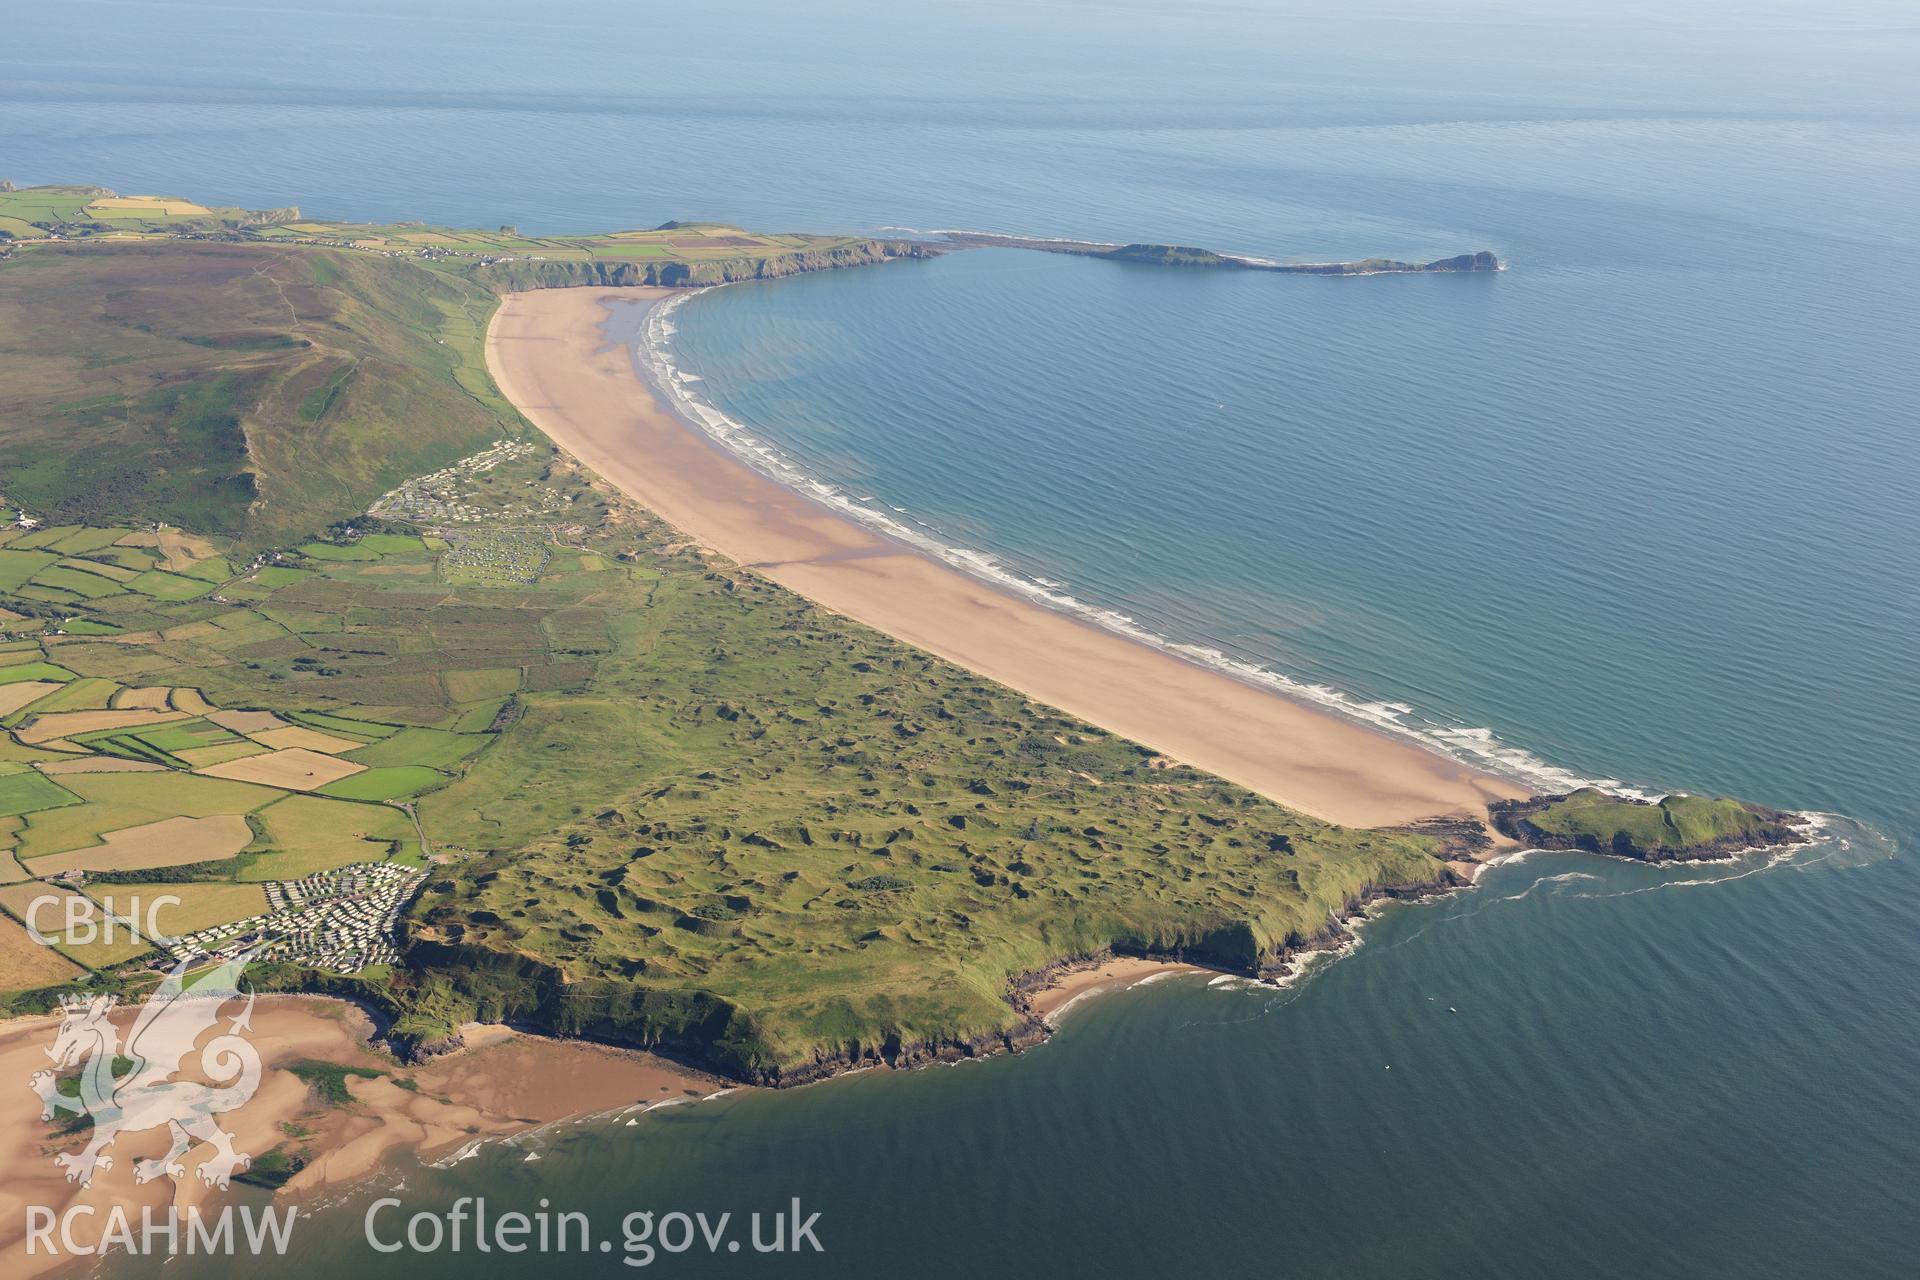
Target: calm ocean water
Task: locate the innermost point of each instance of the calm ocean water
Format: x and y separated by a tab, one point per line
1639	508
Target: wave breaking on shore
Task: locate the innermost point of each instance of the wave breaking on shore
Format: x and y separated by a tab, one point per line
1474	746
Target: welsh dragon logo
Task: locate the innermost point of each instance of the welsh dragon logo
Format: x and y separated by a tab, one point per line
145	1093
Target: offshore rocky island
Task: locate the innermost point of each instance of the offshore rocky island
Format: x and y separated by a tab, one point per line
676	254
1675	828
1174	255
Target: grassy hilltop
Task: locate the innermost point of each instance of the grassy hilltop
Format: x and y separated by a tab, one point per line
657	799
238	390
241	372
675	253
1675	828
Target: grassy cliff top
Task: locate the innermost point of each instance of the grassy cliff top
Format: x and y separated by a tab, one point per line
696	252
251	375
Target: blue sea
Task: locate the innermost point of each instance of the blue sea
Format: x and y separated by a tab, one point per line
1640	508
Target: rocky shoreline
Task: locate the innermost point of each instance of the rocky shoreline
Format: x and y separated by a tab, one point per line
1030	1028
1465	844
1755	826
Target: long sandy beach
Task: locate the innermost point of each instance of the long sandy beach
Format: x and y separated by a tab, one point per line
550	354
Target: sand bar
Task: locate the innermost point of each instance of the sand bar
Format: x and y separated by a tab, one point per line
551	355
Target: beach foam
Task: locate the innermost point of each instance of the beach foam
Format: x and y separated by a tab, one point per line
1475	746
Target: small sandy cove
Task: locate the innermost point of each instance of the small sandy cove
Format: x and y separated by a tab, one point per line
1113	973
501	1083
549	355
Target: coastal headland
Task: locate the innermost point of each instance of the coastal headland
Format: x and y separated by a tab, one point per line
1176	255
636	744
555	356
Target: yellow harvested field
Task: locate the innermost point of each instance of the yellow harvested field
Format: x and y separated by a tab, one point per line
153	697
311	739
191	702
247	722
15	696
62	724
201	904
182	550
296	769
25	964
99	764
173	842
117	801
219	753
18	899
168	205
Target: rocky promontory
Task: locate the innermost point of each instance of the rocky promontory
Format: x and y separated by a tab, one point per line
541	273
1677	828
1177	255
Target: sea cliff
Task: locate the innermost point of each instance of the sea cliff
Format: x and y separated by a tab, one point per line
1677	828
536	273
453	982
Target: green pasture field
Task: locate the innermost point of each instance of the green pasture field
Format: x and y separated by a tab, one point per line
169	586
396	782
332	551
87	585
435	748
115	801
36	670
29	792
85	694
302	835
18	566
